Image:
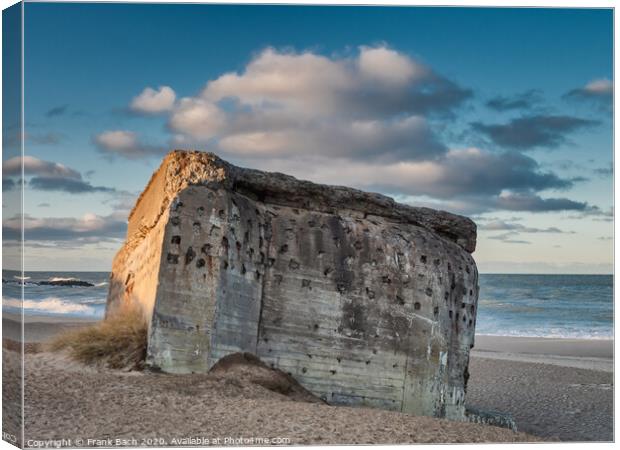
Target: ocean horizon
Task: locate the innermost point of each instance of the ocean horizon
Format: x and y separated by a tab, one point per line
519	305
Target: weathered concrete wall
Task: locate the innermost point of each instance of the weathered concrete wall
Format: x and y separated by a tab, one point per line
363	301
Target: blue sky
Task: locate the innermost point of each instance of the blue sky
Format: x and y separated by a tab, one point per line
500	114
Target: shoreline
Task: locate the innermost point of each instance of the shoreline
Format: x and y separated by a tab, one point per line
591	354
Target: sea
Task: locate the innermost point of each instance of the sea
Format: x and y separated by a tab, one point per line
559	306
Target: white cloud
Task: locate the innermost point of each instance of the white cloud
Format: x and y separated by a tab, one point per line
388	66
600	86
126	144
197	118
151	101
35	166
370	105
117	139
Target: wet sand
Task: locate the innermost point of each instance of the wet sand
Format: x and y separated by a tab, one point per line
556	388
548	386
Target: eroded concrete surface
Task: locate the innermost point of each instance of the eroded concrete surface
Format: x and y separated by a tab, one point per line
362	300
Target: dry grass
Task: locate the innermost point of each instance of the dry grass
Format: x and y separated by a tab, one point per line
119	342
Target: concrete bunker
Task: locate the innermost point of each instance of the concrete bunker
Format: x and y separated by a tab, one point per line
362	300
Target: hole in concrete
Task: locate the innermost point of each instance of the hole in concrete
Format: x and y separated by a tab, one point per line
305	283
367	361
257	275
327	271
200	263
400	300
423	259
293	264
304	370
316	326
284	248
172	258
225	265
196	227
206	249
225	242
200	210
471	308
271	262
436	262
176	239
436	311
189	255
333	372
386	279
450	314
175	221
462	305
428	292
417	306
238	245
221	214
470	322
371	294
277	278
243	270
213	229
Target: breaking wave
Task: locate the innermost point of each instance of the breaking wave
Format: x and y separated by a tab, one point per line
48	305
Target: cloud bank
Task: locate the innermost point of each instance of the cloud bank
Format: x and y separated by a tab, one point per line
373	105
528	132
372	119
46	176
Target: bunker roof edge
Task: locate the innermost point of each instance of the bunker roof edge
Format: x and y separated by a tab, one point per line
285	190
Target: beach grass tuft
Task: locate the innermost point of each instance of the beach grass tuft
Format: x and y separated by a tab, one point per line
118	342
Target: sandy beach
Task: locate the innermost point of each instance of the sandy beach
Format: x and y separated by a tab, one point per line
555	389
